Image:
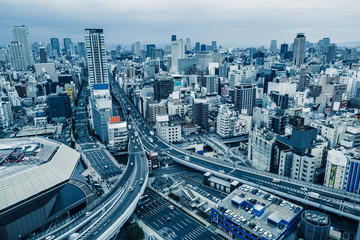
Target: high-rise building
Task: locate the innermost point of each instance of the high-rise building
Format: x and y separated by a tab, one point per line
96	56
197	46
213	45
135	48
273	45
55	47
304	79
335	173
244	98
163	87
203	47
101	110
17	55
187	44
81	49
150	48
21	35
177	52
59	107
68	46
200	113
42	53
283	50
331	53
299	49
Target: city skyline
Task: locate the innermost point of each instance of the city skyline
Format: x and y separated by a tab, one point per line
234	23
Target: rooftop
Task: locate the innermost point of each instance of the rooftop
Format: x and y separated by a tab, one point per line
32	165
258	212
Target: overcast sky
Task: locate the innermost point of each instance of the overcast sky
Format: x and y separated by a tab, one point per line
235	23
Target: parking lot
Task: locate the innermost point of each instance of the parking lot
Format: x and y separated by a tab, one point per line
102	163
171	223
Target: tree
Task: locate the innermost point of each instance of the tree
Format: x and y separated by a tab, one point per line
134	232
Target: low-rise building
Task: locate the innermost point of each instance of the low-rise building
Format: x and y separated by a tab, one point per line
118	134
248	213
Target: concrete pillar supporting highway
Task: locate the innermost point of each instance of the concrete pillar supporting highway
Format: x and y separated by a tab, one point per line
358	231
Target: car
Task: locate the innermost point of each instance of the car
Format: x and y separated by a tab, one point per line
304	189
171	207
50	237
131	164
283	203
106	167
166	218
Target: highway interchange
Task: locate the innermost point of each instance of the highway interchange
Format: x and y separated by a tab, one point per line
333	201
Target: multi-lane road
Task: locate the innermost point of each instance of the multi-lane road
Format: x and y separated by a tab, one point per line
338	202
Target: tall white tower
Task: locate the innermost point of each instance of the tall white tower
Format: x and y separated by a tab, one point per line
96	56
177	52
21	35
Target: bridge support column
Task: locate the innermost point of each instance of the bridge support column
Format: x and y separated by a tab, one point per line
358	231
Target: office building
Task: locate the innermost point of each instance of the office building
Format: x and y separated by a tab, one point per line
304	79
314	225
17	56
68	46
150	48
118	134
212	84
81	49
197	46
153	109
6	114
163	87
43	56
200	113
177	52
260	149
55	47
282	87
230	124
283	50
59	107
244	98
273	46
203	47
101	106
213	45
96	57
298	154
299	50
331	53
244	214
21	34
282	101
336	167
352	184
187	44
168	131
135	48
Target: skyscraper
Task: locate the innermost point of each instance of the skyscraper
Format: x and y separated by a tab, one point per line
177	52
187	44
245	96
283	50
42	53
68	45
299	49
150	50
96	56
17	55
81	49
197	46
135	48
213	45
200	113
331	53
55	47
21	35
273	46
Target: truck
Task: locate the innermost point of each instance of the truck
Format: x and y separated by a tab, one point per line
314	195
152	133
275	180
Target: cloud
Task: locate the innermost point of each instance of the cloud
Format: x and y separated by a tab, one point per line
231	22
